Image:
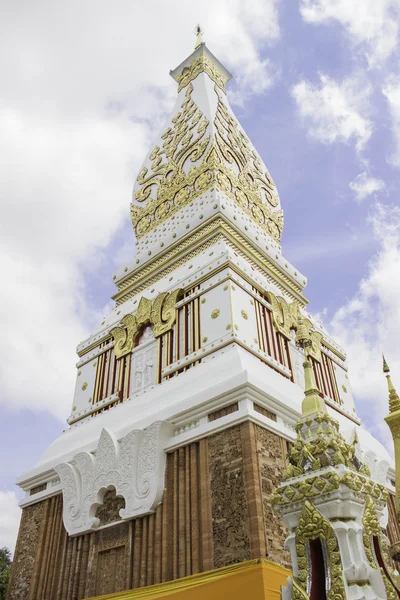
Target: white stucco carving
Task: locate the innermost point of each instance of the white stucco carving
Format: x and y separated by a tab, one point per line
135	466
144	360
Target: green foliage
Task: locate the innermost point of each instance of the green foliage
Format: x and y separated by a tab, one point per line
5	568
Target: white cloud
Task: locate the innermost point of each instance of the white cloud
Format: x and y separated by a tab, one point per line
87	89
371	25
335	112
391	90
369	323
10	515
364	185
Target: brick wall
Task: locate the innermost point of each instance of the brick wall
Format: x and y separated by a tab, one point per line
216	511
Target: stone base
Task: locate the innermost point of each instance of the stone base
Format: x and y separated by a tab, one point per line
215	511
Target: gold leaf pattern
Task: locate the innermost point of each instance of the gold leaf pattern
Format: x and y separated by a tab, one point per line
202	64
160	313
228	162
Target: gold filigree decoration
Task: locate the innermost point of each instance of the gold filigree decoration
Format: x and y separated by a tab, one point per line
215	313
84	386
328	448
227	162
202	64
244	314
306	489
314	338
372	528
312	525
298	593
161	313
285	314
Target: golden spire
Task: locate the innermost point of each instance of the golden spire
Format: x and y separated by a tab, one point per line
385	365
198	32
394	400
313	402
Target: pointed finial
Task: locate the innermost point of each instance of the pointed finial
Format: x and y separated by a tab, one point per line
394	400
198	32
385	365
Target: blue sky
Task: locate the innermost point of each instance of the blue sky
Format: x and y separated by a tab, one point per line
316	87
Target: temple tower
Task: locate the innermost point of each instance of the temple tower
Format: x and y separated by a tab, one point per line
188	392
393	420
331	507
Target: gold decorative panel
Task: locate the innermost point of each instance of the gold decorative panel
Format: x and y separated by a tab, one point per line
191	161
284	314
202	64
161	313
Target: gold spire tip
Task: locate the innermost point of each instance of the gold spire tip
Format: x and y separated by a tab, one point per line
385	365
198	32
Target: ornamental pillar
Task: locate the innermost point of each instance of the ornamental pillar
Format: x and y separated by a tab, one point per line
332	507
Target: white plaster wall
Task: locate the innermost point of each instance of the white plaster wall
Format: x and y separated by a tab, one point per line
85	378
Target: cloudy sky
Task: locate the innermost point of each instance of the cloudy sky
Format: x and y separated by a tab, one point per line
85	88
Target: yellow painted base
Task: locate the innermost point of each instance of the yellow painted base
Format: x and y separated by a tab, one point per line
256	579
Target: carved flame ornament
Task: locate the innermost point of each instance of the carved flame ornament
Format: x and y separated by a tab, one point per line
285	315
191	161
161	313
134	466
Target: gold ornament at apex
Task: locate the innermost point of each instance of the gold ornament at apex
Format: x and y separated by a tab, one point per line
202	64
190	162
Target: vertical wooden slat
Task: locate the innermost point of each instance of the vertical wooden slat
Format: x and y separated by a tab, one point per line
150	551
159	360
181	514
259	329
129	571
188	529
289	360
175	504
143	553
91	575
186	330
67	571
62	567
96	396
268	331
83	568
121	365
166	537
56	554
206	535
157	543
78	561
69	582
194	506
107	373
137	545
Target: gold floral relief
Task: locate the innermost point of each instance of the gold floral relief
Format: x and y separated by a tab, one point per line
161	313
190	162
284	314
